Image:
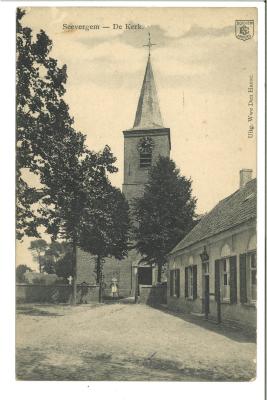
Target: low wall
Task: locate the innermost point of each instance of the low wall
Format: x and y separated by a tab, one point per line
185	305
39	293
153	294
244	315
122	293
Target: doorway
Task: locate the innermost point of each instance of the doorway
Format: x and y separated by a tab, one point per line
206	289
144	276
207	295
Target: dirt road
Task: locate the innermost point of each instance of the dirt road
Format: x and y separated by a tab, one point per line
127	342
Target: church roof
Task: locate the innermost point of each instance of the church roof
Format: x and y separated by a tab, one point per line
148	114
239	207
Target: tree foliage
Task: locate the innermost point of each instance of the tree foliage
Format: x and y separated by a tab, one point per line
38	248
55	252
74	185
105	225
20	272
63	266
48	254
165	213
44	126
104	228
88	211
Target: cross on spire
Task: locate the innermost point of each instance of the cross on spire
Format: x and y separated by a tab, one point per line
149	44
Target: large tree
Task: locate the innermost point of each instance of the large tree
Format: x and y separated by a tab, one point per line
47	144
165	213
104	230
43	123
70	176
84	186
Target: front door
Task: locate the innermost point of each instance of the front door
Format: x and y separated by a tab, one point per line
206	295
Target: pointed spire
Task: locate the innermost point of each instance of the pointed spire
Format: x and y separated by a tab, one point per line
148	112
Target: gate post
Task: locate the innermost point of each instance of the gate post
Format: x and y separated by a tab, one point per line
135	268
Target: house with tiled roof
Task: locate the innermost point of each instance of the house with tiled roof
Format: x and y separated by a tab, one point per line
213	269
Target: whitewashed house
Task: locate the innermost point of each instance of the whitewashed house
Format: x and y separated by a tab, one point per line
213	270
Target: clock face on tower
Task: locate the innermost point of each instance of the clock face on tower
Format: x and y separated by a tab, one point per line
145	147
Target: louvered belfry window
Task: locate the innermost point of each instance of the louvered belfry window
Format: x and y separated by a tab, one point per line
145	160
145	147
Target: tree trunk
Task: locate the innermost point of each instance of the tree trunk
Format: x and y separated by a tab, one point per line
159	272
74	274
39	261
99	276
98	269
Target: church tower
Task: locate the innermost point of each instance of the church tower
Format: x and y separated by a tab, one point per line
143	144
146	140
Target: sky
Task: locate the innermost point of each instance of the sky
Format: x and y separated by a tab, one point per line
202	73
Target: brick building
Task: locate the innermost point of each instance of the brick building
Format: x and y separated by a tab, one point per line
213	270
143	144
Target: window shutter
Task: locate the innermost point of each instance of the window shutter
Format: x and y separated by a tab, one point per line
177	283
217	281
171	283
243	278
186	282
194	282
233	280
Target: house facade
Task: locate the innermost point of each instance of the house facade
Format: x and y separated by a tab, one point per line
143	144
213	270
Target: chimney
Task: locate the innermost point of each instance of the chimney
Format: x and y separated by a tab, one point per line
245	177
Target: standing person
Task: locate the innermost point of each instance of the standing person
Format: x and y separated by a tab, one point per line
114	288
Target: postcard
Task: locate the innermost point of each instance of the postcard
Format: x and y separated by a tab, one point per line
136	132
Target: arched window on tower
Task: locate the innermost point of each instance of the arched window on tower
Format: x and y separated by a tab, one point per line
145	148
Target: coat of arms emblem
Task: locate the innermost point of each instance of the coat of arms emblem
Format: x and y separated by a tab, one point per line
244	29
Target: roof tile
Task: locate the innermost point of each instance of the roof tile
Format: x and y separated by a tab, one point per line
239	207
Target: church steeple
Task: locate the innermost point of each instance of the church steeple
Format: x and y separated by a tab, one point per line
147	140
148	113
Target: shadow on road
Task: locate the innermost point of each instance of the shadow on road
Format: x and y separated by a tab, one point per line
118	300
34	311
230	330
37	365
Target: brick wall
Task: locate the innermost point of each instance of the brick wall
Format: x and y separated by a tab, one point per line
112	268
153	294
38	293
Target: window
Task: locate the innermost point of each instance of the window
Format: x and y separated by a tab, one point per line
145	148
175	283
226	280
191	282
171	282
252	265
145	160
205	279
248	277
